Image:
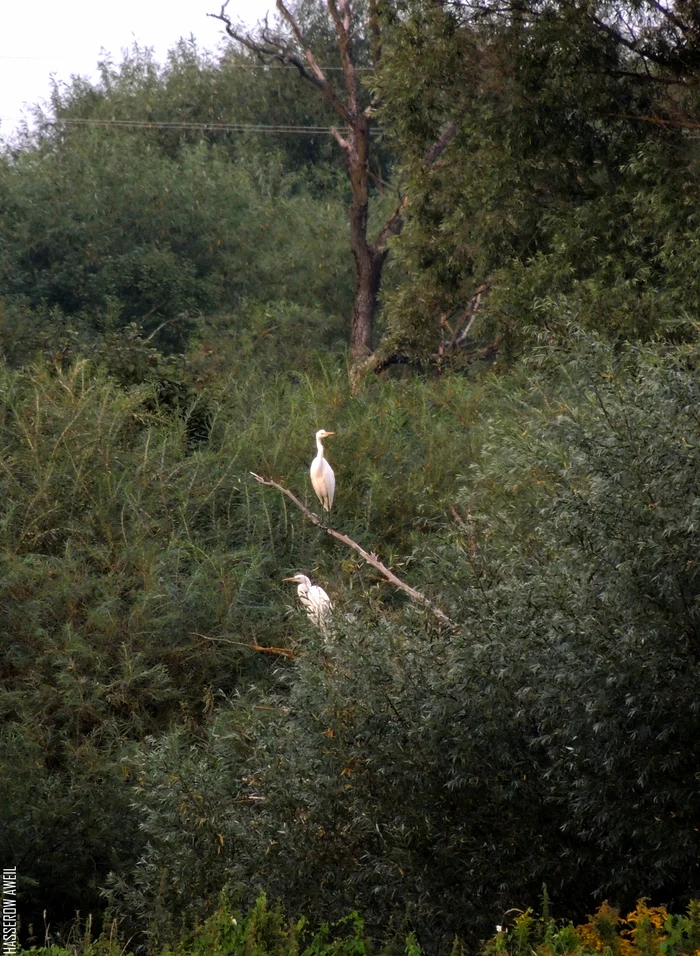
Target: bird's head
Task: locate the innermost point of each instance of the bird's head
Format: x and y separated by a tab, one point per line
299	579
322	433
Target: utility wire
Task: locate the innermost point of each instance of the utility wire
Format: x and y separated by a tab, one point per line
216	127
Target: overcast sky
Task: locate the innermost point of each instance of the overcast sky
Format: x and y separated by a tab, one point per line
39	38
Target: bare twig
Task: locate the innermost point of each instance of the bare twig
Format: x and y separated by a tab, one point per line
370	559
282	651
441	143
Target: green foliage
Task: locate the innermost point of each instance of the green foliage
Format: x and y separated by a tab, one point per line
262	931
156	240
646	931
440	778
199	96
141	564
558	186
104	225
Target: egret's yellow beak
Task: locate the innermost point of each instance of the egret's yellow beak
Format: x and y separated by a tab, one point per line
330	433
288	579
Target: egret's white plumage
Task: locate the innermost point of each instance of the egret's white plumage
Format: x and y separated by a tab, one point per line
314	599
322	477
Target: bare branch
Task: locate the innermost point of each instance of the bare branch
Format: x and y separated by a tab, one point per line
341	139
280	651
392	227
370	559
655	120
634	45
270	48
340	12
441	143
674	19
296	30
394	223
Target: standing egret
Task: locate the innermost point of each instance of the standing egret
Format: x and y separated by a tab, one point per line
322	477
317	603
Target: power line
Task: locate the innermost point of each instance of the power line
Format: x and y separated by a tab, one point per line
215	127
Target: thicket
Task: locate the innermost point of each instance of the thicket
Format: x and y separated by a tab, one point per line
107	225
132	554
431	777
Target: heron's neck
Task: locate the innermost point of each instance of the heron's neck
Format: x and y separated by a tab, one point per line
320	447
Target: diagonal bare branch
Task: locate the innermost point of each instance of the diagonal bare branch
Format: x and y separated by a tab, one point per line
341	15
270	48
370	559
441	143
296	30
392	227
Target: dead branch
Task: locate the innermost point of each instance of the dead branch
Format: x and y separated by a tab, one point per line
270	48
370	559
282	651
655	120
459	330
441	143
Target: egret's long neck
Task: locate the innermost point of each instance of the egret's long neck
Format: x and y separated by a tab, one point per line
319	446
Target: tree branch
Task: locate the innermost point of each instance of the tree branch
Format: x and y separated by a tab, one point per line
271	48
394	224
441	143
392	227
674	19
370	559
340	12
296	30
634	45
280	651
655	120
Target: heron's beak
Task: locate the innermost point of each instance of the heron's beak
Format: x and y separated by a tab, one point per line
287	579
329	433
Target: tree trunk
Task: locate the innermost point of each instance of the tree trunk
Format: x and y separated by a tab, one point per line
353	136
368	275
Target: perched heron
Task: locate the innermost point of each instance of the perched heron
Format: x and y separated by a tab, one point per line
314	599
322	477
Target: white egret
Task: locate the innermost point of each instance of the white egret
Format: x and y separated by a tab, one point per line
322	477
314	599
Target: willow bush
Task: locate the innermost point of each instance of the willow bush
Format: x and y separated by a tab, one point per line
159	241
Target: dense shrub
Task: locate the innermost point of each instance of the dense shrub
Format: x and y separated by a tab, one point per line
101	230
140	567
441	777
